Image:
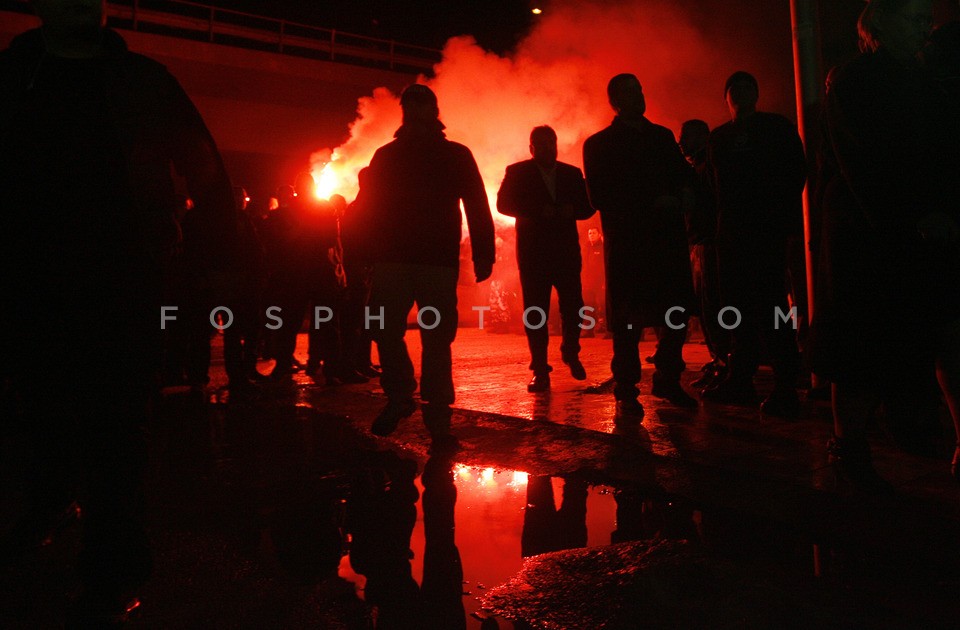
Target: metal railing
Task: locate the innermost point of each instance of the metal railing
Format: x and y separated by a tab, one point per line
201	22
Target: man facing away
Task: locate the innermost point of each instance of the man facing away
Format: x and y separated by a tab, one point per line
547	198
636	178
410	230
758	168
89	132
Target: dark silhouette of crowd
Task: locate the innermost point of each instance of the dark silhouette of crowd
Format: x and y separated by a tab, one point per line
100	241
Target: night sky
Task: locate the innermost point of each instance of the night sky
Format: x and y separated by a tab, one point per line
496	24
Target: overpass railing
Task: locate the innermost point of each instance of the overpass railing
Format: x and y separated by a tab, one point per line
202	22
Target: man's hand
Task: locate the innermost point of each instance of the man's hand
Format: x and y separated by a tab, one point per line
482	270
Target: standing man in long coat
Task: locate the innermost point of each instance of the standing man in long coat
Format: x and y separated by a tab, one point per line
636	178
547	198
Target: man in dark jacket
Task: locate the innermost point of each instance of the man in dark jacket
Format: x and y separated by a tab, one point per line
410	228
637	177
758	171
88	134
548	198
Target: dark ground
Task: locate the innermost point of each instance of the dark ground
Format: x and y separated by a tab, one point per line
738	519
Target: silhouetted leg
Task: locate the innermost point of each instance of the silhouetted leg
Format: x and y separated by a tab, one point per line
536	295
392	295
436	297
570	297
626	362
669	355
115	557
540	533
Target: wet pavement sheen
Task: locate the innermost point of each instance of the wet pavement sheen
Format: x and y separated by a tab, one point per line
280	510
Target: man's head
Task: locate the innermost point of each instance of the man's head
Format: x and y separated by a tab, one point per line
305	186
626	96
593	235
419	104
741	92
543	146
74	19
694	135
901	27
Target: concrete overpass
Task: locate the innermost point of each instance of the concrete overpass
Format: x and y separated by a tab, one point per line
267	109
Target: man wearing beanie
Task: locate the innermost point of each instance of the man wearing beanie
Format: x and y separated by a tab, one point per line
758	170
410	231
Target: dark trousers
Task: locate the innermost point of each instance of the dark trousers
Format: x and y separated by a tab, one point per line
82	420
537	286
753	280
706	288
626	358
295	300
241	339
396	287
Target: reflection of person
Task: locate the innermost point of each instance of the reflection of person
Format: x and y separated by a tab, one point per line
88	134
547	198
411	228
758	168
381	514
636	177
890	255
547	528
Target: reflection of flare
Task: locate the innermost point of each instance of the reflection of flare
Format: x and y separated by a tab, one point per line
326	181
488	482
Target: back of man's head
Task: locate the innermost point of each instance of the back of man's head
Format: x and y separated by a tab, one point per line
419	104
626	95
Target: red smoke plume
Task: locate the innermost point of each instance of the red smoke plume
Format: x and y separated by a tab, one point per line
558	77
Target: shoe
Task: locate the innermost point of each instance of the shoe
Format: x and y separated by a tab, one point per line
388	419
577	370
730	392
713	373
853	463
675	395
955	464
102	611
630	408
539	383
782	403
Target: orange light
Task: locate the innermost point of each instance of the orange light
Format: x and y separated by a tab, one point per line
536	11
327	181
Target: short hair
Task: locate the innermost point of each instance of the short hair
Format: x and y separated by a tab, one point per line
740	76
545	131
867	24
695	125
618	82
418	94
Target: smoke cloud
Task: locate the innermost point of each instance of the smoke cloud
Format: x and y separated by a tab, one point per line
558	76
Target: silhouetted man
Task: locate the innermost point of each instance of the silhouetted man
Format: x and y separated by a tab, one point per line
636	177
88	134
547	198
411	230
758	171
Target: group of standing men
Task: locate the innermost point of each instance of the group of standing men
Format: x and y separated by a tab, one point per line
737	200
89	133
